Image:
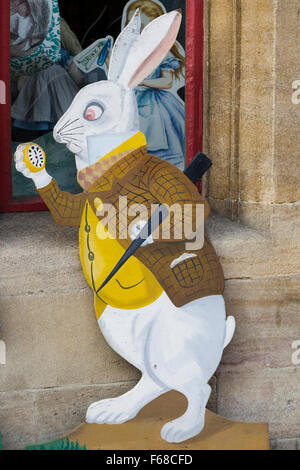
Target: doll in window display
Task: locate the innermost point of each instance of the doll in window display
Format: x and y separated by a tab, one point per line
45	79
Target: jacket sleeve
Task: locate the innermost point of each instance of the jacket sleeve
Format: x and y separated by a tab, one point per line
66	208
189	209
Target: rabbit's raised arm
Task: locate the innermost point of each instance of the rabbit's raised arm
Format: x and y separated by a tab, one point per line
30	160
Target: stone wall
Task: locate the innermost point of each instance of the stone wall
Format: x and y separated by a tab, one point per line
252	59
252	136
57	360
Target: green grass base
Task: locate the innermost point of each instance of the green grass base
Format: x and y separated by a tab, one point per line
60	444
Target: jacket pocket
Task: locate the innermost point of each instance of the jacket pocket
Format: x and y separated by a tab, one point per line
188	272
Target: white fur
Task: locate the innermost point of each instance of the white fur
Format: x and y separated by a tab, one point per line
124	44
150	48
174	348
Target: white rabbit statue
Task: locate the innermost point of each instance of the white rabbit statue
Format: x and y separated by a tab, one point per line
163	311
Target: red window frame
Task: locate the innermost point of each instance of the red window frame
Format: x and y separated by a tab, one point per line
194	101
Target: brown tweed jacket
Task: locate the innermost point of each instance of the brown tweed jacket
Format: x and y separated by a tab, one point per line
146	179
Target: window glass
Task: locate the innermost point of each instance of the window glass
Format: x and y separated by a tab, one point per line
57	47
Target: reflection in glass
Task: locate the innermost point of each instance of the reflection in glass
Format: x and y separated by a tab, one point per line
48	37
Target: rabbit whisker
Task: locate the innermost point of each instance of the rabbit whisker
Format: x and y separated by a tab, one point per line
77	119
71	134
71	139
68	124
76	145
73	129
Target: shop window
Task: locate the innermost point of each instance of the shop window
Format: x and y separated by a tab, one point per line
47	55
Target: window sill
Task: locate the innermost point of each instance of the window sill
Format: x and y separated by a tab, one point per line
40	257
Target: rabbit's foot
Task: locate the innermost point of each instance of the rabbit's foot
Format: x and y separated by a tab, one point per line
192	421
182	428
111	411
126	407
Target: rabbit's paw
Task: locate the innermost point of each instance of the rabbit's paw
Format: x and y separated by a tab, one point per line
182	429
111	411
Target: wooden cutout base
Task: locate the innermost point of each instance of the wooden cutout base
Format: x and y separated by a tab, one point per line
143	433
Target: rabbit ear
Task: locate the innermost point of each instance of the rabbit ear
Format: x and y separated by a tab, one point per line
123	45
150	48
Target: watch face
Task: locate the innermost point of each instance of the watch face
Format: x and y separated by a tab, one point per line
36	156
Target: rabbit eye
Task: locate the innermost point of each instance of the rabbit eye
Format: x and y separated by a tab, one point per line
93	112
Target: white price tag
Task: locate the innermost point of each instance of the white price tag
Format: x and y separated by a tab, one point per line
95	55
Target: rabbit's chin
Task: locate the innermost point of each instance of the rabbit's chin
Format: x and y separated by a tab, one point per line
74	149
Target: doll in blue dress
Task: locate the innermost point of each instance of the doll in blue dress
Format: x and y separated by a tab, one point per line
161	111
